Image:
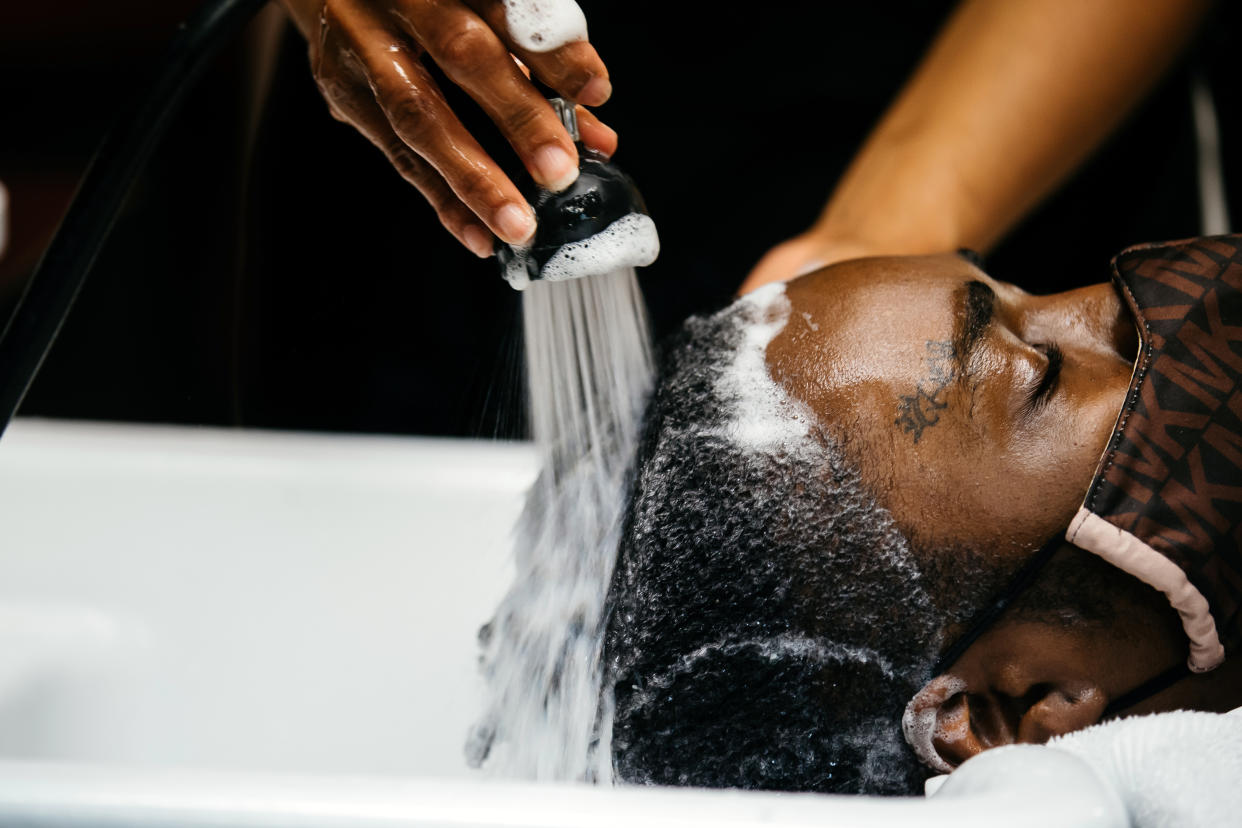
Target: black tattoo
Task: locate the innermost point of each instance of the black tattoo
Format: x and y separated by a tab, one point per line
921	410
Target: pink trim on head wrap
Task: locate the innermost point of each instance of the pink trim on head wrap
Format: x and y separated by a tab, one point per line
1125	551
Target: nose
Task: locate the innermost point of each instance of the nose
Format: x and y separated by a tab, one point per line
1092	318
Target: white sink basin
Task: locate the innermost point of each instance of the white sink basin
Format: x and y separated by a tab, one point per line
225	628
247	600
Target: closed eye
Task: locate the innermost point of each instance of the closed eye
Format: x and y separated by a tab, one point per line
1047	386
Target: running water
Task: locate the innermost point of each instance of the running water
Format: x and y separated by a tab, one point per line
589	370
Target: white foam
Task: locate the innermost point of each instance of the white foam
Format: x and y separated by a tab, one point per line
775	648
630	241
515	272
544	25
763	418
920	724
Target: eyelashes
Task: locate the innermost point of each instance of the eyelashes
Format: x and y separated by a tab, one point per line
1047	386
972	256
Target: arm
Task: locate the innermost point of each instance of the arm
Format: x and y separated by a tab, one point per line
1011	98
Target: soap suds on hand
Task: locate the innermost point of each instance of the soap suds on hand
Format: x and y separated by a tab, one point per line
544	25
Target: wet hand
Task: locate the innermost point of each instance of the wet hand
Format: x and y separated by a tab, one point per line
366	56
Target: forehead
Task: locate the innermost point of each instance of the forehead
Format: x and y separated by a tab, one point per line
861	329
874	349
873	292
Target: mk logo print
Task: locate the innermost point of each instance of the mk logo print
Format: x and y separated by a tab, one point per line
1173	477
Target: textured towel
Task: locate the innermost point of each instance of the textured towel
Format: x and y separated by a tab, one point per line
1172	770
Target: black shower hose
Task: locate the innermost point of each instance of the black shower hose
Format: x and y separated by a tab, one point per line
117	162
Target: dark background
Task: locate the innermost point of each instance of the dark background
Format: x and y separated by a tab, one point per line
271	271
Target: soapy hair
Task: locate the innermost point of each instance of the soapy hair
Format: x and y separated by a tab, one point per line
768	622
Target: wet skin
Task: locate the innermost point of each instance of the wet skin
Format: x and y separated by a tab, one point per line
956	407
367	58
977	413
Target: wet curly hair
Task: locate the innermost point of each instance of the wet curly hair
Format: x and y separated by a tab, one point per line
767	622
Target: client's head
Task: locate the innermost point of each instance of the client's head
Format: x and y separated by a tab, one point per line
835	475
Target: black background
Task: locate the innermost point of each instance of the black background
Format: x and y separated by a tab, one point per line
303	285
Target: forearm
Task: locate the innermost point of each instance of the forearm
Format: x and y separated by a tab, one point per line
1012	96
303	14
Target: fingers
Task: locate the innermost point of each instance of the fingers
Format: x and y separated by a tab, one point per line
456	217
595	133
803	254
777	265
344	85
574	70
365	55
786	261
418	114
591	130
473	56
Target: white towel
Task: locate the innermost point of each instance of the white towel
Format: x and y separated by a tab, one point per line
1173	770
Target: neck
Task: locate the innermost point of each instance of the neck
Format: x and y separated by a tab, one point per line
1218	691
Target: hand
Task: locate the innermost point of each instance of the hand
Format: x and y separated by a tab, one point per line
365	56
802	254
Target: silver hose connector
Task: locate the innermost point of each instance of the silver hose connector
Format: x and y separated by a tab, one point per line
567	112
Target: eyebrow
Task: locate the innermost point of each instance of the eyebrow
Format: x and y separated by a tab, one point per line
978	302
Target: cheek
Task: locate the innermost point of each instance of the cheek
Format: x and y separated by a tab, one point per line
1093	401
1061	454
983	481
1020	486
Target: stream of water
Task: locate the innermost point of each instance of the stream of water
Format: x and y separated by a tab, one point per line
588	373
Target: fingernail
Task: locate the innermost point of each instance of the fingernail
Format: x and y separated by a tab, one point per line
555	167
478	240
596	91
516	223
599	125
810	267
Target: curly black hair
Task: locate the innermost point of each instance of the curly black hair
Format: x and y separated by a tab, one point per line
768	622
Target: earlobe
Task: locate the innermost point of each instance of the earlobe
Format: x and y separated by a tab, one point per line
1061	708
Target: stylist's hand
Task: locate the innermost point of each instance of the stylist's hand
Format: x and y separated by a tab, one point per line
366	57
802	254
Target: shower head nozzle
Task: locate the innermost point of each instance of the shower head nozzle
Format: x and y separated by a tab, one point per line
596	225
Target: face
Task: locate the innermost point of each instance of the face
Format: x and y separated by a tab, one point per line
976	411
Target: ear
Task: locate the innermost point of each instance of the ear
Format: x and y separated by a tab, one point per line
955	717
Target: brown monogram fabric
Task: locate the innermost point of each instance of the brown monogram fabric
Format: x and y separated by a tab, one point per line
1172	473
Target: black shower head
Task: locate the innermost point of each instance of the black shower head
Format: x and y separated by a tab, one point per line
602	203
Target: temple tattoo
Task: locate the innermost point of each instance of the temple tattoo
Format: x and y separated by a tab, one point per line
920	411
